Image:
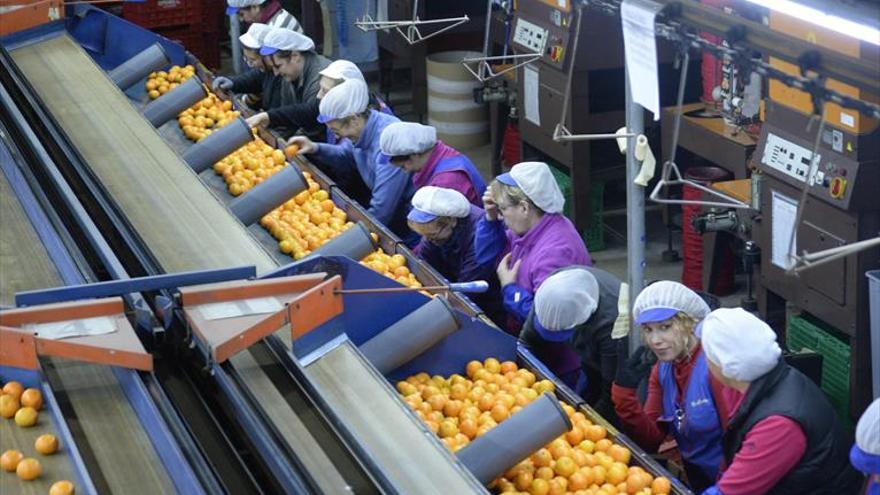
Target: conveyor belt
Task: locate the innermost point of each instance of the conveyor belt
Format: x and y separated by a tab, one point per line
184	226
101	419
182	223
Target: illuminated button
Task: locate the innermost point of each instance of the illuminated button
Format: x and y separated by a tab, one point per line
838	187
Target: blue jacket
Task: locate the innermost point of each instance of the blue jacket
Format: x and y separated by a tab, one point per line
391	187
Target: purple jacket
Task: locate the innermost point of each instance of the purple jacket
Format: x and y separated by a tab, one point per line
448	168
552	244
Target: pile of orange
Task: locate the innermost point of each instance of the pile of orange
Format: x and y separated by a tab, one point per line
392	266
582	461
161	82
23	404
249	165
211	113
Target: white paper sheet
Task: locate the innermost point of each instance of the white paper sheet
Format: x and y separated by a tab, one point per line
98	325
244	307
784	211
640	48
531	84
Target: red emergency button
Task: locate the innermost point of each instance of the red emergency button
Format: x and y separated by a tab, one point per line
838	187
556	53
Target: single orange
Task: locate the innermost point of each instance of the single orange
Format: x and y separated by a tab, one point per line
28	469
46	444
539	486
8	405
661	486
62	487
14	389
292	150
10	459
26	417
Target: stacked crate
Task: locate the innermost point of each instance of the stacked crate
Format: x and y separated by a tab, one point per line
196	24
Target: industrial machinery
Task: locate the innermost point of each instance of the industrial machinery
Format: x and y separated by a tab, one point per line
841	204
268	374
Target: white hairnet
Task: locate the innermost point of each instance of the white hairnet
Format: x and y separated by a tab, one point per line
664	299
255	35
868	429
431	202
566	299
407	138
538	184
342	69
237	4
282	39
349	98
742	345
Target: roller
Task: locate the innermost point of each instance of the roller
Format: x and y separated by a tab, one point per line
514	439
139	66
355	243
411	336
269	194
169	105
213	148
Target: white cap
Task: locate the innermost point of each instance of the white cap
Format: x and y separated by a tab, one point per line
662	300
349	98
253	38
538	184
406	138
431	202
282	39
566	299
742	345
868	429
234	5
342	69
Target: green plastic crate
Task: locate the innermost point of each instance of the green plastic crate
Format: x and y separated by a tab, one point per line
806	333
594	237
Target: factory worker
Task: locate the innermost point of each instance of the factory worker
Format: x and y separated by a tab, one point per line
267	12
575	309
865	453
338	72
684	400
524	223
415	148
783	436
344	110
447	221
259	86
293	58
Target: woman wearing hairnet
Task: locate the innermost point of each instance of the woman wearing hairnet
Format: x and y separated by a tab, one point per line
344	110
337	73
683	399
261	88
447	221
783	436
414	147
524	223
577	307
865	454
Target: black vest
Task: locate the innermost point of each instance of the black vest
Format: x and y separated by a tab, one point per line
824	467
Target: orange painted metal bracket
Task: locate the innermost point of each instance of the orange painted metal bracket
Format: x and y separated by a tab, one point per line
19	346
306	301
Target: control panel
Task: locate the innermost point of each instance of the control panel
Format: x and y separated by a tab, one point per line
530	36
545	28
791	159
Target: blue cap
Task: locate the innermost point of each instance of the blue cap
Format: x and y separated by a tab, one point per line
323	119
383	159
507	179
655	315
231	10
267	50
863	461
419	216
549	335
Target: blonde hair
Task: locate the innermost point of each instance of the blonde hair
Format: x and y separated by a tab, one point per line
504	195
684	326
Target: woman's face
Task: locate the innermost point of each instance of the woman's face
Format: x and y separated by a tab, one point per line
516	216
253	59
436	232
667	339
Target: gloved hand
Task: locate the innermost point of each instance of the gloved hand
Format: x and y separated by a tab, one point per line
221	82
633	369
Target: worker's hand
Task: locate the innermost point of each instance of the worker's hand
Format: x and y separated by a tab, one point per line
633	369
222	83
305	144
490	207
507	275
259	120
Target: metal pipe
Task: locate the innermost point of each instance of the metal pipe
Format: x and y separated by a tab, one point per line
269	194
220	143
414	334
139	66
234	33
355	243
502	447
635	205
169	105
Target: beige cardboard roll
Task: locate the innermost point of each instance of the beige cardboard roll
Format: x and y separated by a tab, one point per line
646	156
621	324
